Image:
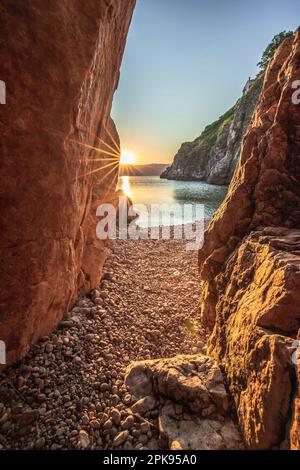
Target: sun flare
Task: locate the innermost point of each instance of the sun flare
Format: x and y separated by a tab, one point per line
127	157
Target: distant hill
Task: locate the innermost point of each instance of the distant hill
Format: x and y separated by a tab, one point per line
153	169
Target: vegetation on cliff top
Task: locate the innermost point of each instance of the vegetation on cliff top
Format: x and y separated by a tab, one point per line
211	131
271	48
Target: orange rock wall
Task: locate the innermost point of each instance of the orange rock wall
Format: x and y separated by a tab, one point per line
61	68
250	264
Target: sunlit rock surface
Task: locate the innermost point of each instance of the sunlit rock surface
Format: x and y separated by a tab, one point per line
250	265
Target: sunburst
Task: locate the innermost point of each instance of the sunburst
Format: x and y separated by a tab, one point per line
111	158
127	157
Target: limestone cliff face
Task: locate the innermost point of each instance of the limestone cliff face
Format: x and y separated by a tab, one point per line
61	68
250	265
212	157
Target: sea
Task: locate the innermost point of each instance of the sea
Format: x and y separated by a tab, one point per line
193	199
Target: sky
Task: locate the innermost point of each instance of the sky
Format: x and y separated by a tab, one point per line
186	63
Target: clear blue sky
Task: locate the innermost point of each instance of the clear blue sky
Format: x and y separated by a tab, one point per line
185	64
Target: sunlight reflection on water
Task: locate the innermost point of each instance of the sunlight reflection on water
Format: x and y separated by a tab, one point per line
125	185
149	190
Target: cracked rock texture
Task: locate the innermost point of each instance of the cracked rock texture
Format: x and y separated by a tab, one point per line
195	414
250	265
195	381
193	433
61	68
213	156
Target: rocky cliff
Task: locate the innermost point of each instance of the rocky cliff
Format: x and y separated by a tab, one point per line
212	157
61	68
250	266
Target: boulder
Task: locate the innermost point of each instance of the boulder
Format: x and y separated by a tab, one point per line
196	381
195	414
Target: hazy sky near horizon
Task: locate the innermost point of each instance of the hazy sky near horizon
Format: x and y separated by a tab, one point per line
185	64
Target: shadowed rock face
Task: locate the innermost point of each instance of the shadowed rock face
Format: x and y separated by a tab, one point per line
61	68
212	157
250	263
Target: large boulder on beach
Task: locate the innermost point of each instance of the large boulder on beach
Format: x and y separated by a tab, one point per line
195	414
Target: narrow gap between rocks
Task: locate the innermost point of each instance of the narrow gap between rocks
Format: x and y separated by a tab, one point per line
69	392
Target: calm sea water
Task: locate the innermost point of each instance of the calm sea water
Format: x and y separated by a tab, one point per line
147	190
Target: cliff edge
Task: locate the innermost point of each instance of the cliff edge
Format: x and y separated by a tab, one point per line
212	157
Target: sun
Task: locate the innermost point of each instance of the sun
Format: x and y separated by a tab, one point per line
127	157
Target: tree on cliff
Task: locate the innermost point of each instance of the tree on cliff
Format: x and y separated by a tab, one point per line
271	48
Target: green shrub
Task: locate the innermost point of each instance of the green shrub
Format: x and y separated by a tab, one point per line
271	48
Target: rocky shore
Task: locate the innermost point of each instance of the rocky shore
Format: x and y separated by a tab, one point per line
69	391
